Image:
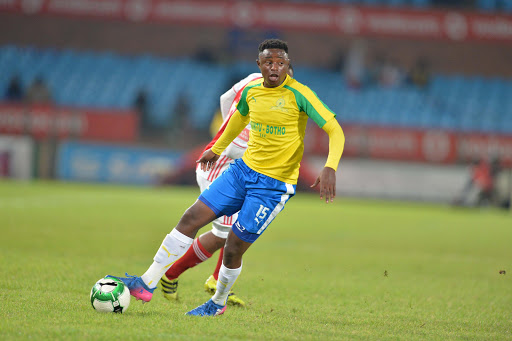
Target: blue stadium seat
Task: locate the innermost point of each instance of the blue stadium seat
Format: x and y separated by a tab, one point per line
108	80
505	126
371	2
421	3
487	5
397	3
506	5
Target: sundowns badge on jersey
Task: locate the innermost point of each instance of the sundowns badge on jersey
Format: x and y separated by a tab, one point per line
280	103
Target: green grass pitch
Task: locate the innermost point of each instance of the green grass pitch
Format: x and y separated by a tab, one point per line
351	270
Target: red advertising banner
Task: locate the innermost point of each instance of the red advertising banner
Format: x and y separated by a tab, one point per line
470	146
332	18
414	145
60	122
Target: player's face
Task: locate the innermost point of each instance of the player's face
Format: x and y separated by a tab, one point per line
273	64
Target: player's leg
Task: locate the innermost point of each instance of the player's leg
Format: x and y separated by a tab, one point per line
211	283
234	250
174	245
231	266
238	242
220	229
215	273
202	249
265	199
225	196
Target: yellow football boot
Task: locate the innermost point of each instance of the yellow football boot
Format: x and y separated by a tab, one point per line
169	288
210	286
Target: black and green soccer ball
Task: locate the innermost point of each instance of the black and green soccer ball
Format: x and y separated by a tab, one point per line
110	295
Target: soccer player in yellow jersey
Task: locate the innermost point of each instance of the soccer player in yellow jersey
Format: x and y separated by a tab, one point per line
207	243
260	183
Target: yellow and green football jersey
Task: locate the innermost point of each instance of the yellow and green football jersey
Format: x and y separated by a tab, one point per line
278	118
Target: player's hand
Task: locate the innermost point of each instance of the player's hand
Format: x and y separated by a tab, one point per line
327	182
207	160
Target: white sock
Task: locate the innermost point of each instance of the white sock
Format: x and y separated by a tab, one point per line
174	246
227	278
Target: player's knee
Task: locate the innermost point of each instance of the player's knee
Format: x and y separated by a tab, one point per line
195	217
211	242
219	242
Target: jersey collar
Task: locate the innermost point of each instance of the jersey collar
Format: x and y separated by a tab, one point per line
286	80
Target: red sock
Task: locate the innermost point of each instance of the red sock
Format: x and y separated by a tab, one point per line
195	254
219	263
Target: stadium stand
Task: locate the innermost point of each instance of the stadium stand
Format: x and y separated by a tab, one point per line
108	80
504	6
479	5
394	3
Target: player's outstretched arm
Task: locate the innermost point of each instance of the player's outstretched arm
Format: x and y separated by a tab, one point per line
327	178
207	160
327	182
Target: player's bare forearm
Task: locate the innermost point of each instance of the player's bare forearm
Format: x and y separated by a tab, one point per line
327	182
207	160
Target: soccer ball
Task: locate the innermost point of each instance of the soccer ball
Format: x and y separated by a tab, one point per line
110	295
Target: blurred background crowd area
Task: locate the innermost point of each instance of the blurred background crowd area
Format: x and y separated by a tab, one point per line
424	82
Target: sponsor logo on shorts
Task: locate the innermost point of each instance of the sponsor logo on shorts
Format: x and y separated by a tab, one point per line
239	227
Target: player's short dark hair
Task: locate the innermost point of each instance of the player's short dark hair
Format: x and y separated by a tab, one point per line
273	44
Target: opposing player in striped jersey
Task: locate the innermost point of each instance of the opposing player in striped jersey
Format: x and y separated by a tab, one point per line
259	184
206	244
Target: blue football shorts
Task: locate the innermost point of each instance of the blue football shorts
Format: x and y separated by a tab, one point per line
259	199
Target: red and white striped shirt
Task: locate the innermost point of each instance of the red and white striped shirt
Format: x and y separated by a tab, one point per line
240	142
